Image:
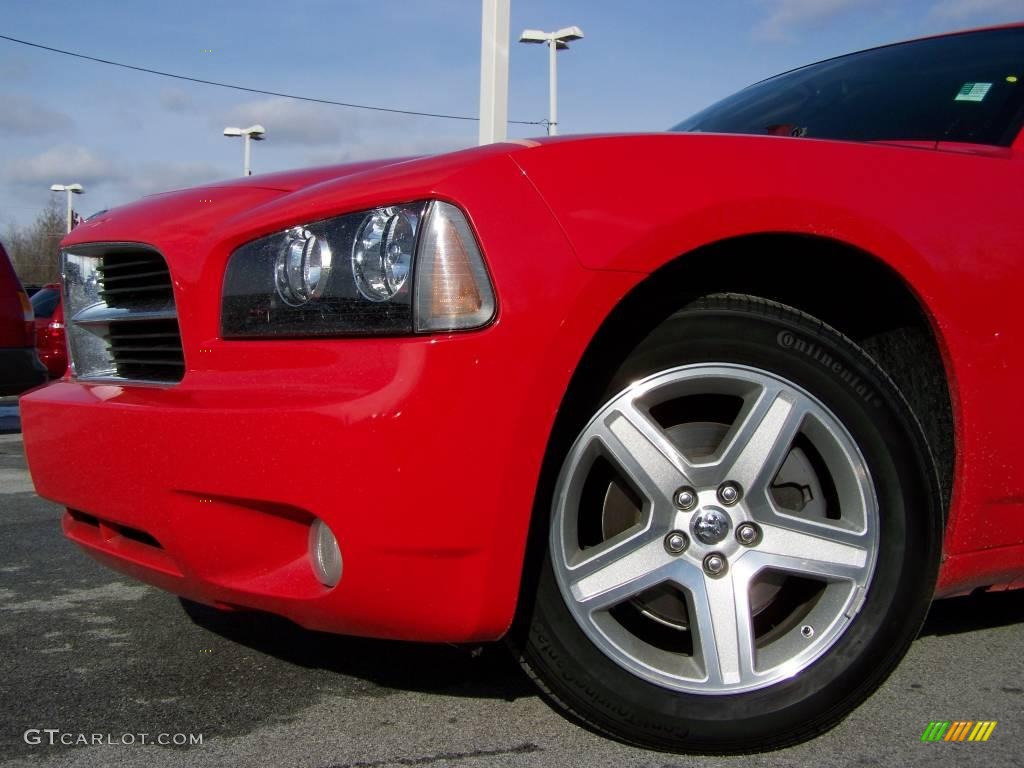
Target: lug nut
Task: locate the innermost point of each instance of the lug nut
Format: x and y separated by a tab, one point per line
686	498
729	493
714	564
747	533
677	542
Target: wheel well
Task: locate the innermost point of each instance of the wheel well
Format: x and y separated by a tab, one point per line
854	292
850	290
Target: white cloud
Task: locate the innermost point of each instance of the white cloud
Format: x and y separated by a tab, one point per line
293	122
176	100
106	183
372	150
788	15
24	116
63	164
958	10
163	177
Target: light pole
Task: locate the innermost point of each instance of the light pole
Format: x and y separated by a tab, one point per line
252	133
556	41
71	189
494	71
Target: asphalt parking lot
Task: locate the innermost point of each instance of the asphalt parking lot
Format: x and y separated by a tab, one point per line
86	651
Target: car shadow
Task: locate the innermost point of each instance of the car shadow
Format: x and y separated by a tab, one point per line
479	671
489	670
979	610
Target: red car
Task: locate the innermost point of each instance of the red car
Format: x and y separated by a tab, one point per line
700	421
20	368
50	342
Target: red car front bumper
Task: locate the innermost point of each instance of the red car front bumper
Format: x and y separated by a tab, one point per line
208	489
422	454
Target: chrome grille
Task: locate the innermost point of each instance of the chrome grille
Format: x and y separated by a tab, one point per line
123	324
127	279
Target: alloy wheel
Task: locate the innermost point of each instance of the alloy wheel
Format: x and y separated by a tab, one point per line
715	529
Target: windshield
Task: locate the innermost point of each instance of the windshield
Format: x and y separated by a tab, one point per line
44	302
965	88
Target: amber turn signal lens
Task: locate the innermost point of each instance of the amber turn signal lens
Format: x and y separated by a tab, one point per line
26	307
28	316
453	290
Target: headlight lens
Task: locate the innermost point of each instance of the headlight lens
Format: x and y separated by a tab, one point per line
295	282
302	267
383	252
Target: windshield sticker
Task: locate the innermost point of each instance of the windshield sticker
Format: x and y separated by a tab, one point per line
973	92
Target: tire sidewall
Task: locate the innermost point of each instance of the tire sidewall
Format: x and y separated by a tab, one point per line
782	342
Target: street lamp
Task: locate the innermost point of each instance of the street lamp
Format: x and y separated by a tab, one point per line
253	132
495	19
71	189
556	41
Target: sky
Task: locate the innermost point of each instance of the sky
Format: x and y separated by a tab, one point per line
643	65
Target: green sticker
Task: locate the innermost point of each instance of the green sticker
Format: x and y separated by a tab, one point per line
973	92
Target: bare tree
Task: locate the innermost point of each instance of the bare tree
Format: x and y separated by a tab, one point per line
35	249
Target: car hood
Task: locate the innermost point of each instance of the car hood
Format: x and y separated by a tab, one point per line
253	206
289	181
217	209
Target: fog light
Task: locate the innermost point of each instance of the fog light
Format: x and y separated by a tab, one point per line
324	554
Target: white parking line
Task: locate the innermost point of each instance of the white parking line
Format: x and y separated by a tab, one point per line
15	481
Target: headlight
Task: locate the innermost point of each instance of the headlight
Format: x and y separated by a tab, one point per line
392	270
383	253
302	267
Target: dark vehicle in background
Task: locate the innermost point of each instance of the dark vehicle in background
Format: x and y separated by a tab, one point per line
50	342
20	368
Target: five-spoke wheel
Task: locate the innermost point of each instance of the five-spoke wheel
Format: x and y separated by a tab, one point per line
741	535
777	508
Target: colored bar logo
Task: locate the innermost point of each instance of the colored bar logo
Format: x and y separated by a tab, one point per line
958	730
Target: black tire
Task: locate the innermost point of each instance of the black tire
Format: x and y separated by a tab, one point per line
591	689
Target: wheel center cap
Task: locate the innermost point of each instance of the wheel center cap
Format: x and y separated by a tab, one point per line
711	525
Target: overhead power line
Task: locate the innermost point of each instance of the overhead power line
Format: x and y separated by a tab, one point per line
313	99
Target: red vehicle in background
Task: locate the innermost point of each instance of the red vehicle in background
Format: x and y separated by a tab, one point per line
20	368
49	329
